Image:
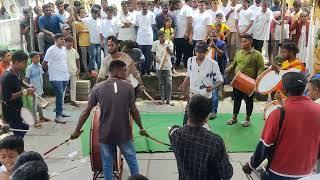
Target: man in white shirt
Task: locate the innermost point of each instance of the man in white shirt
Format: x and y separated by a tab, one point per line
225	7
126	24
261	26
256	7
56	62
214	11
244	19
202	72
201	24
103	11
194	5
183	14
93	24
60	11
108	28
145	21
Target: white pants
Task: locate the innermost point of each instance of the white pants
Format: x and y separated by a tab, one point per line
73	86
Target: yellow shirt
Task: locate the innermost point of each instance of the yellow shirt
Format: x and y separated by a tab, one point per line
83	37
297	64
223	30
168	33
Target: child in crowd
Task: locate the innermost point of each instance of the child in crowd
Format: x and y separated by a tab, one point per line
108	28
73	63
32	170
162	51
33	77
221	27
168	30
5	60
10	148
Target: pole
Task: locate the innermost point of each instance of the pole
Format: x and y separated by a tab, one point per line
283	14
73	26
31	32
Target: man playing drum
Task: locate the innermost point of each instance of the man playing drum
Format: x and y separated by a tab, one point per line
250	62
132	73
116	99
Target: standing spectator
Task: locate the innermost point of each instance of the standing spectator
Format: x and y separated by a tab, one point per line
83	37
93	24
183	14
276	33
232	40
73	63
33	76
214	11
5	60
194	6
200	153
108	28
256	7
25	28
55	61
145	22
221	27
162	50
126	24
295	127
225	7
38	11
131	48
103	10
244	19
156	7
60	11
66	29
201	24
276	6
161	17
261	26
295	15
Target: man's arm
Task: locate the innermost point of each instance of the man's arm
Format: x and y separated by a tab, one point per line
103	72
134	71
224	166
247	29
189	27
260	64
135	112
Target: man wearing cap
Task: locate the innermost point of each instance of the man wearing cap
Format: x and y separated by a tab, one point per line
250	62
66	30
202	72
290	138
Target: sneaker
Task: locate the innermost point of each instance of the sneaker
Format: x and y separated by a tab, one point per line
212	115
59	120
73	103
65	115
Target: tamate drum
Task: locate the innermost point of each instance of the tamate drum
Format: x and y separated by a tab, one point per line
244	83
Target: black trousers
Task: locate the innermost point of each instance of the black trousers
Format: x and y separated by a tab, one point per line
183	51
238	96
257	45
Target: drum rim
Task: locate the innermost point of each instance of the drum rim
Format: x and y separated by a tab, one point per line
26	109
262	75
96	108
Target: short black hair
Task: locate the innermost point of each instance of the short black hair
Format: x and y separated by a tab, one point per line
290	46
109	8
68	39
130	44
160	33
138	177
26	157
247	36
12	143
45	6
79	9
95	9
315	82
32	170
33	54
116	64
3	52
219	15
294	83
296	3
57	36
113	39
124	3
199	108
58	2
18	56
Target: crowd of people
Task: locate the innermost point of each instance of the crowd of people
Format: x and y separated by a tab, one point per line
212	41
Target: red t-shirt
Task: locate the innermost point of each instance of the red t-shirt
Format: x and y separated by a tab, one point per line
298	149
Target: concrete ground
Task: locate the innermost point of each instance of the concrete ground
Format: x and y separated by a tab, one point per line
66	162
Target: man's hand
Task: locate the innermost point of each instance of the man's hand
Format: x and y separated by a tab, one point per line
186	36
30	91
275	68
142	88
76	134
143	132
209	89
247	169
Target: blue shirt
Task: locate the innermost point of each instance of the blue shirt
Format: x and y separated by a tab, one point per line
34	73
50	23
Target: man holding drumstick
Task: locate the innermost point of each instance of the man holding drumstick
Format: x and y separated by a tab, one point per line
116	99
250	62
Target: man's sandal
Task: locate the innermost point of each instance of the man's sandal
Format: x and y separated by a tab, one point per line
246	124
231	122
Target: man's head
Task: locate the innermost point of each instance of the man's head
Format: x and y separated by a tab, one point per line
37	10
257	2
130	6
202	5
60	6
109	11
194	4
314	88
289	50
128	45
59	39
214	4
35	57
304	17
245	4
46	8
68	42
294	83
296	6
219	17
198	110
224	2
26	157
214	35
51	6
19	60
165	7
124	7
95	11
5	55
118	69
10	148
276	2
201	50
150	5
81	12
104	4
113	44
246	42
31	170
66	29
144	6
264	6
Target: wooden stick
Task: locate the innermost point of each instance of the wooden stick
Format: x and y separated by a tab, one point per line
164	58
150	97
156	140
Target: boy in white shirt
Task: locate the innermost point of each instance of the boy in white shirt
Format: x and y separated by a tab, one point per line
244	20
145	21
108	28
73	63
201	24
126	24
162	51
214	11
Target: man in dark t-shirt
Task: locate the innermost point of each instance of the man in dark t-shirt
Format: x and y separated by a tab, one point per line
12	92
116	99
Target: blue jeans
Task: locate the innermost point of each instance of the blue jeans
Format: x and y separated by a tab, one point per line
146	66
215	101
271	176
108	152
59	88
95	56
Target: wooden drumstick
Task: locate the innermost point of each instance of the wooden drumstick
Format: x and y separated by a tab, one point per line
164	58
46	103
150	97
55	147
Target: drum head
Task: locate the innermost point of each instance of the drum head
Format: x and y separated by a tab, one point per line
27	116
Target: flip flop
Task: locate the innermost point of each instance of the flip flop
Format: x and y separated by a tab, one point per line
231	122
246	124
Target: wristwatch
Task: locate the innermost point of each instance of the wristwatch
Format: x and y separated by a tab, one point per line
25	92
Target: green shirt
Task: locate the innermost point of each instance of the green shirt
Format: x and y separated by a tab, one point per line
250	63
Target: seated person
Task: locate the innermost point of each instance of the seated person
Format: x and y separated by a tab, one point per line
200	153
31	170
10	148
131	48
